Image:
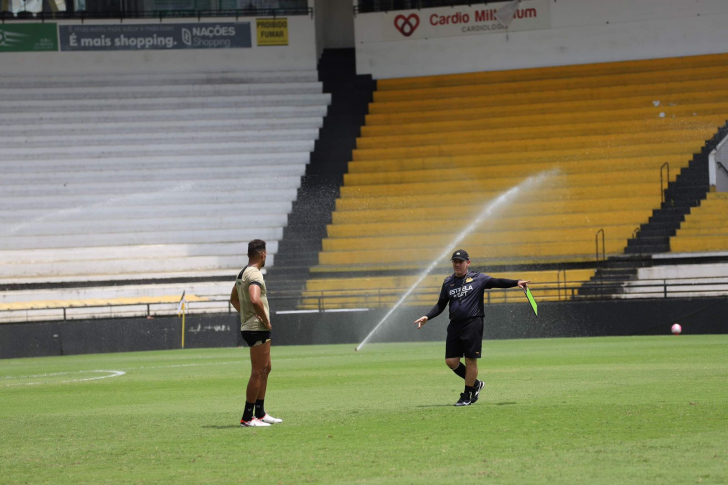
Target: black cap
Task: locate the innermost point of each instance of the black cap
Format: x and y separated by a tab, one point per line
460	254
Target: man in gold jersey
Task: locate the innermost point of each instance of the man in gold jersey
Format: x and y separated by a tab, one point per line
249	297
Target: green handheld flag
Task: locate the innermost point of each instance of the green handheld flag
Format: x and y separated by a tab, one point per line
533	303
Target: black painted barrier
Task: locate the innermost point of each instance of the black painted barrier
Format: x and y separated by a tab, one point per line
503	321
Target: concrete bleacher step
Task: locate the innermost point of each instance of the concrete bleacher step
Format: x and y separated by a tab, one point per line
439	111
169	138
67	93
161	162
52	227
209	290
586	71
658	127
160	79
612	82
481	95
142	150
100	267
472	121
140	105
577	176
180	236
514	131
170	126
528	144
141	211
178	195
684	149
127	252
55	176
137	188
72	115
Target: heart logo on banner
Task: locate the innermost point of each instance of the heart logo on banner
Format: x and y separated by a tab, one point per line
406	25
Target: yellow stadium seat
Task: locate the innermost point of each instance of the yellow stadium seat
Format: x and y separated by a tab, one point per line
436	151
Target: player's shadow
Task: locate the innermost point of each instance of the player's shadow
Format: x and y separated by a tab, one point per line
218	426
450	405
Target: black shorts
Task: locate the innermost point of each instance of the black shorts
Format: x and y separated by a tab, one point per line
255	338
464	339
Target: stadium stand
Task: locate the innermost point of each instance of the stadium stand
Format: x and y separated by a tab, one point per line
436	149
706	228
147	177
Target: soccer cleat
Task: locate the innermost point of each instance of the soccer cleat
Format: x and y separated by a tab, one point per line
464	400
270	419
479	385
253	423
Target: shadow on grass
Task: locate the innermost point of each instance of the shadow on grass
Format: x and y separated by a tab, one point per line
217	426
450	405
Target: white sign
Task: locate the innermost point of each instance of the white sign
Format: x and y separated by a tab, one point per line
464	20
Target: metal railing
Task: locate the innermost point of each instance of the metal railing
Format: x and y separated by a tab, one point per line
336	300
122	15
368	6
666	182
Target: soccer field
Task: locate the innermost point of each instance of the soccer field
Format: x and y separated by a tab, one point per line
596	410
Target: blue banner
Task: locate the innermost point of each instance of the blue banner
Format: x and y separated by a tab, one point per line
119	37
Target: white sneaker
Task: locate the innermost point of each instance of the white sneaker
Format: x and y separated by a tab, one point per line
270	419
253	423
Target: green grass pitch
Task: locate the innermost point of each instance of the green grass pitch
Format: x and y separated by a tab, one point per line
592	410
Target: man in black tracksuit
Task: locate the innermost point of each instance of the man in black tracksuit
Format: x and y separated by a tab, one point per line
464	291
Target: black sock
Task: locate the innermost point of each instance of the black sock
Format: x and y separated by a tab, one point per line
259	409
460	370
248	413
469	390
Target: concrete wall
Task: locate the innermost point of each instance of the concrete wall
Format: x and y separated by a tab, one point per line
300	54
581	31
506	321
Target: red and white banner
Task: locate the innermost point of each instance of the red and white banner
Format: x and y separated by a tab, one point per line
464	20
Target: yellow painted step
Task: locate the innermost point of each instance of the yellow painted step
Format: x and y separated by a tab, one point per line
618	81
530	144
597	199
569	174
542	193
532	120
435	280
513	105
414	226
575	250
679	150
463	109
459	210
531	235
558	72
690	244
720	229
529	166
657	126
49	304
513	97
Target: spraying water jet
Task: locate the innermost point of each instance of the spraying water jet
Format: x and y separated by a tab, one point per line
489	209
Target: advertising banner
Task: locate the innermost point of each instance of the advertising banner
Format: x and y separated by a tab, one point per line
116	37
464	20
28	37
272	31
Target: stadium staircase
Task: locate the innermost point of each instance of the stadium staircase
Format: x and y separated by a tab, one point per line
301	243
656	236
436	149
121	189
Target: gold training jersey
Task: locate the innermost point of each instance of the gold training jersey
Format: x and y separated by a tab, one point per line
251	275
